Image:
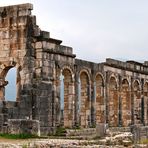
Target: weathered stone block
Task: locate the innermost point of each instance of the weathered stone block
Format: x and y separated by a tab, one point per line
22	126
38	45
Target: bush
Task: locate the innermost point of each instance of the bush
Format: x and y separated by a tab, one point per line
17	136
60	131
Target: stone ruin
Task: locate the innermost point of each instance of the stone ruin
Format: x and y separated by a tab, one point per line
113	93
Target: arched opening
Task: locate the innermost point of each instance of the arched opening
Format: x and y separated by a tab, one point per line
99	99
113	102
67	98
85	101
137	102
125	103
62	99
11	88
145	104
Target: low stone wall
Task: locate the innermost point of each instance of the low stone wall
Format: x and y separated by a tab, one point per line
140	133
86	133
18	126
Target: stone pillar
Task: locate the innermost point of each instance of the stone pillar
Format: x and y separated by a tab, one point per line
71	104
93	105
77	100
132	108
120	103
146	110
120	110
53	104
105	104
142	103
18	85
89	97
56	98
73	101
132	103
106	87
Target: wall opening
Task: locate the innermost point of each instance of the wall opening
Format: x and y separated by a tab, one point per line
79	96
125	103
62	99
11	89
137	102
145	104
113	102
99	99
85	102
67	98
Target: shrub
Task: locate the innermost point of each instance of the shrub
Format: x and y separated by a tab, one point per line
60	131
18	136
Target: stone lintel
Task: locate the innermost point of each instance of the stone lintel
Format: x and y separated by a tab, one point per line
59	53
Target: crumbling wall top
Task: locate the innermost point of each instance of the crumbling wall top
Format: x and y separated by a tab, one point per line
26	6
16	10
128	65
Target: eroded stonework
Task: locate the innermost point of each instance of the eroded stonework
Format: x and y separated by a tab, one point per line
113	92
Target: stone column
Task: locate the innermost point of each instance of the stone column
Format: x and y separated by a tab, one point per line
18	84
77	101
132	103
72	104
89	97
56	98
93	105
120	103
106	87
143	107
104	96
146	110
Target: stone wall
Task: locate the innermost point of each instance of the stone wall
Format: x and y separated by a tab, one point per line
23	126
112	92
140	133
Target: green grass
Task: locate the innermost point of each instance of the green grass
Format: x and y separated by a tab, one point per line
60	131
17	136
144	141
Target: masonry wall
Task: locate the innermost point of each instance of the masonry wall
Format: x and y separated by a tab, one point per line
56	89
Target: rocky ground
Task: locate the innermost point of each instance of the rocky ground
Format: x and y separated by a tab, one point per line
60	143
111	140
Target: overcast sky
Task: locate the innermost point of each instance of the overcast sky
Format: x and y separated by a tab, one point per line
96	29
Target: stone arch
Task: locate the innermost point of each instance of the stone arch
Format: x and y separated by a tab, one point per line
145	103
125	102
137	101
68	92
87	73
6	67
85	113
70	70
11	88
113	102
145	88
100	106
100	74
